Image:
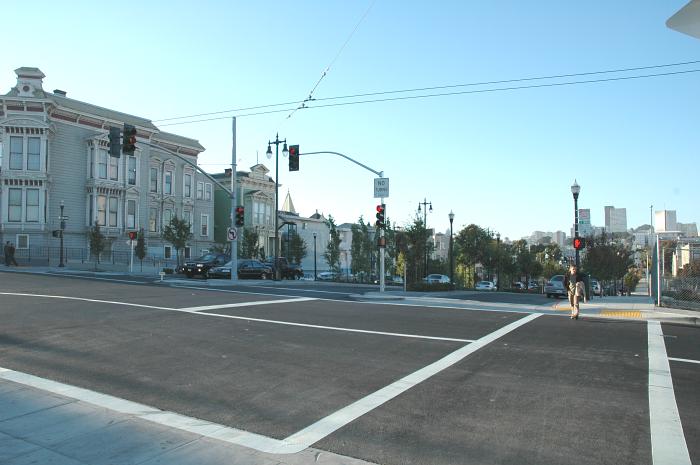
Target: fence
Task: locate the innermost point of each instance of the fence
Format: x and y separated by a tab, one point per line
51	256
679	291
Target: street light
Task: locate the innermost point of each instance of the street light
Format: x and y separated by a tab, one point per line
315	256
452	260
285	152
425	204
63	227
575	190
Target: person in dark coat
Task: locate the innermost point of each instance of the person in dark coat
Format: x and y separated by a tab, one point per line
573	283
6	252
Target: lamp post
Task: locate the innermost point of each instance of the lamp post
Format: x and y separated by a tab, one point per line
315	257
285	152
452	259
63	227
498	261
575	190
425	204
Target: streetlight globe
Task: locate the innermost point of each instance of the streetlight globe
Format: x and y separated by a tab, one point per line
431	207
575	188
285	151
419	210
452	216
269	151
63	203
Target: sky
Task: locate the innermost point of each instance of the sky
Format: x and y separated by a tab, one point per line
498	157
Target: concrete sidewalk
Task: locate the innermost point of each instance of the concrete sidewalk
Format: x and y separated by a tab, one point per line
40	427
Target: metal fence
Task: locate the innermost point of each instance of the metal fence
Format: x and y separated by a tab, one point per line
680	292
50	256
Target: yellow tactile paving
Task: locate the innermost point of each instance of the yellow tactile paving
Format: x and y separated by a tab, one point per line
622	313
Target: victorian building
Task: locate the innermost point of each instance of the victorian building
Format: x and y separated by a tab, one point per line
54	151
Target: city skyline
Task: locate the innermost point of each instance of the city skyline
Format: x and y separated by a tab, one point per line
500	155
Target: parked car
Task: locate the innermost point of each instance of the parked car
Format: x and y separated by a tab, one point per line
485	286
436	279
596	288
533	285
246	269
555	286
519	286
327	276
287	270
397	280
203	264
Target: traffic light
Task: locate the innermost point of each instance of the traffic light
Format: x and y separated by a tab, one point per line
129	142
133	235
579	243
293	158
240	214
115	149
381	217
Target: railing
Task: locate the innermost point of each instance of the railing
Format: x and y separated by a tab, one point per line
680	292
50	256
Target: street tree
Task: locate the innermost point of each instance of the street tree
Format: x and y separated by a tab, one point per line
526	261
297	248
178	233
416	244
360	249
248	244
332	253
97	241
140	249
470	246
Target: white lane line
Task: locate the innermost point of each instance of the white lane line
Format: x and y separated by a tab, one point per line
191	311
668	446
83	299
247	304
687	360
342	417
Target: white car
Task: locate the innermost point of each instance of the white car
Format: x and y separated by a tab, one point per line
485	286
327	276
436	279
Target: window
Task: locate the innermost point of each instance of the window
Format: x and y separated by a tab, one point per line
154	180
102	210
113	210
33	154
91	174
16	153
114	168
207	191
22	241
200	190
102	164
32	214
14	203
188	185
153	219
188	252
167	217
131	214
131	169
168	184
187	216
205	225
167	251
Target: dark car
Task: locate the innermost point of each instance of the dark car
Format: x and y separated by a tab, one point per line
253	269
203	264
287	270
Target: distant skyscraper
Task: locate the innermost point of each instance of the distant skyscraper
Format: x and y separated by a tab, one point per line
615	219
688	229
560	238
665	221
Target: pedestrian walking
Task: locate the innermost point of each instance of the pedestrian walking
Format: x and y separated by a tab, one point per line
11	255
573	283
6	252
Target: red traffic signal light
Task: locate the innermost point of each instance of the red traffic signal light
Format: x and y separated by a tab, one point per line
579	243
240	216
133	235
129	140
381	216
293	158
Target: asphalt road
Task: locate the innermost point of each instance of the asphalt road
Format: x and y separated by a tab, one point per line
476	387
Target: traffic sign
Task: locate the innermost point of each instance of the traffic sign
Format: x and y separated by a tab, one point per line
381	188
232	234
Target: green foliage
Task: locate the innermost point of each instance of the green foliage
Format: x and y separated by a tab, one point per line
98	242
332	253
361	248
297	248
178	234
140	249
248	244
690	270
414	241
607	260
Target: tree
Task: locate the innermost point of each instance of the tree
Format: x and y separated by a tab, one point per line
360	249
140	249
415	245
470	246
177	233
332	253
248	244
98	242
297	248
526	261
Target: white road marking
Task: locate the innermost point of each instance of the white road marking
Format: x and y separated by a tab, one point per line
193	311
342	417
292	444
687	360
668	446
247	304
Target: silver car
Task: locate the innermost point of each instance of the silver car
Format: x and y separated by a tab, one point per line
555	286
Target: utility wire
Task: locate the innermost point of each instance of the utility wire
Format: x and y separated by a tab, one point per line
420	89
444	94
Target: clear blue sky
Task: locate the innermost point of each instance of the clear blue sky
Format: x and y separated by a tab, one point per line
503	160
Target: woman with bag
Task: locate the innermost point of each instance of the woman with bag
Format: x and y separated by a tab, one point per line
573	283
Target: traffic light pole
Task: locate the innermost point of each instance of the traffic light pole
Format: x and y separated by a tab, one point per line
382	249
234	241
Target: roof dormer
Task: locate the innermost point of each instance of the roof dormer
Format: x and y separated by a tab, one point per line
29	82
